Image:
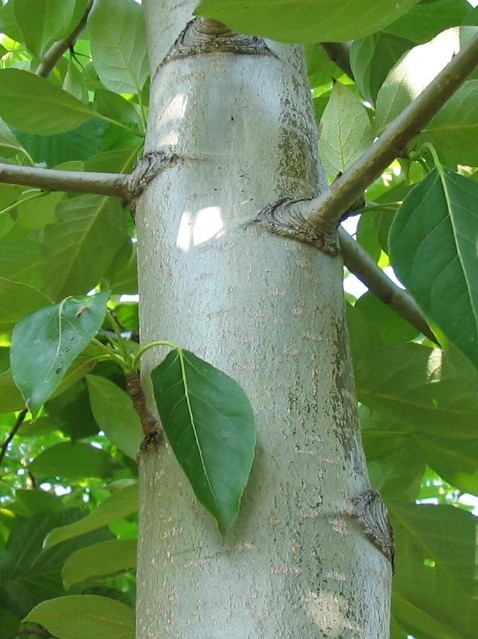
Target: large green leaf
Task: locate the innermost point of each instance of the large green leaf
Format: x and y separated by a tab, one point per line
372	58
423	21
115	414
305	20
434	243
72	462
28	572
18	300
80	616
346	130
423	389
120	504
454	130
413	73
435	577
52	338
210	426
80	247
453	459
35	105
43	21
117	39
99	560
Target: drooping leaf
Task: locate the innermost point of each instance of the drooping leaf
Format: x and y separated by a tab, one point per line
43	21
28	572
99	560
117	39
78	616
210	426
434	242
115	415
119	504
346	130
305	20
35	105
52	338
80	247
435	576
72	462
18	300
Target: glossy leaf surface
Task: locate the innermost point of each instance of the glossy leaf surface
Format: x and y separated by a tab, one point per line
210	425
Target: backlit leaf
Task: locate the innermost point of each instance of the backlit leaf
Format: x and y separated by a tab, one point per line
43	21
18	300
210	426
346	130
117	39
52	338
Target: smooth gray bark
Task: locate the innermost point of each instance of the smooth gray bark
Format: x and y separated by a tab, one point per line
268	311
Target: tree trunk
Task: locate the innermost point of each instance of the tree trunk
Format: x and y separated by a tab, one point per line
299	562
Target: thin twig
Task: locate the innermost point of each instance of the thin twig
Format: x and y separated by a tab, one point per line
359	262
54	53
339	52
11	434
328	207
114	184
149	423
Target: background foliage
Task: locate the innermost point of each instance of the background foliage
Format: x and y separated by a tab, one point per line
68	489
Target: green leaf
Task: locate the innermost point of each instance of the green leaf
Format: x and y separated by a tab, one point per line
20	258
35	105
51	339
18	300
346	130
305	20
210	426
38	212
9	145
372	58
452	459
42	21
10	397
454	130
120	504
80	616
384	320
72	462
423	21
80	247
99	560
433	242
413	73
423	389
436	548
115	415
117	38
28	572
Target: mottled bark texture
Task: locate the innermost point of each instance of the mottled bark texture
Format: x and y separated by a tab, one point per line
268	310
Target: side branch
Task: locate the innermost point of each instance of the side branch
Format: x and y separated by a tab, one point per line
114	184
359	262
329	207
54	53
